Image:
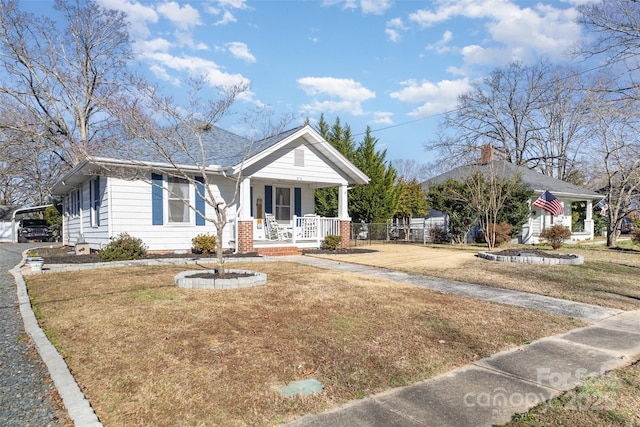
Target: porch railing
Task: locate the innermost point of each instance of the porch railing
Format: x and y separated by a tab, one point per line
314	228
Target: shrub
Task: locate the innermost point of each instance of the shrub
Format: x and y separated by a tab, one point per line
122	248
204	243
439	234
555	235
635	236
332	242
503	233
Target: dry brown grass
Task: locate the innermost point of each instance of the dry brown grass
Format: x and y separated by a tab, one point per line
610	400
608	277
147	353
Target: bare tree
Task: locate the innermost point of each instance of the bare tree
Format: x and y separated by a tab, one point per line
616	125
499	111
409	170
532	115
616	24
175	141
564	135
62	75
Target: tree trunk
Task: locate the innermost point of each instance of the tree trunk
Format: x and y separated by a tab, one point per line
612	237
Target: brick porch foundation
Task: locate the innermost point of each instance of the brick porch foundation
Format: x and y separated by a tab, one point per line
279	251
245	236
345	233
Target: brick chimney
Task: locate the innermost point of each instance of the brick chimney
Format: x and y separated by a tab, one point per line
486	155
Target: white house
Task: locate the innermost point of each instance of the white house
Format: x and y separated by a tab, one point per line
276	176
539	219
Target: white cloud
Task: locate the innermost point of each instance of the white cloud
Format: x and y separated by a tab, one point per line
516	33
184	17
195	67
394	27
225	8
441	46
138	15
375	7
435	98
161	74
241	51
382	118
346	4
346	95
155	45
227	18
233	4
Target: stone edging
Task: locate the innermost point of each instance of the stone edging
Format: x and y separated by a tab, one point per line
255	279
578	260
78	407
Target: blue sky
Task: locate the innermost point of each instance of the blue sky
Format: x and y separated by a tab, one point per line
393	65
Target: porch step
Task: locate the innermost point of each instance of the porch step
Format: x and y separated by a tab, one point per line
279	251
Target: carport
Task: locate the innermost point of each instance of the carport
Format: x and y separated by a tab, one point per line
9	228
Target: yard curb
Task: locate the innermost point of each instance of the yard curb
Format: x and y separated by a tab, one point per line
78	407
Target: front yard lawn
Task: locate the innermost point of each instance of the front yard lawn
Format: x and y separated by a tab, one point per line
145	352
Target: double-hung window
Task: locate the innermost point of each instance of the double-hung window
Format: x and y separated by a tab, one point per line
178	200
283	204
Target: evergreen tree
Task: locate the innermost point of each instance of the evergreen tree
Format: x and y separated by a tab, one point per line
378	200
412	201
326	199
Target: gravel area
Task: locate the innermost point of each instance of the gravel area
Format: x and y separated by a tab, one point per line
27	394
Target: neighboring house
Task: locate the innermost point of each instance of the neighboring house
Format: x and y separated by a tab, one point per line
539	219
277	176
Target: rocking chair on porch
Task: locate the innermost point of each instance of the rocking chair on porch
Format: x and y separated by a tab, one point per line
273	230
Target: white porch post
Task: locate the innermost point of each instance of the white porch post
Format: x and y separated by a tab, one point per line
244	221
244	200
343	204
343	216
588	222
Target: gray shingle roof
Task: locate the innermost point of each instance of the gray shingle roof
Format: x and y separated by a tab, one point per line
221	147
534	180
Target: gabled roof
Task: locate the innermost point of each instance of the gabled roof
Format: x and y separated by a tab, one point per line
223	151
534	180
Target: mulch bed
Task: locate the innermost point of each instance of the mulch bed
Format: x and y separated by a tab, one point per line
533	252
65	255
337	251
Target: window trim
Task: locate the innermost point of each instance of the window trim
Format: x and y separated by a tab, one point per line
277	205
171	197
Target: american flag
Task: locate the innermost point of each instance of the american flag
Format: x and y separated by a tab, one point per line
603	205
549	203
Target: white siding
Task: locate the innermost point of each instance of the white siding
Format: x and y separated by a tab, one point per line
281	165
132	213
79	225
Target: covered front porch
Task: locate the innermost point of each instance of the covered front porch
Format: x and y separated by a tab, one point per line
281	217
582	226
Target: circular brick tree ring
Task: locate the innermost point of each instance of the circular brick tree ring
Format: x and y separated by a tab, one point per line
209	279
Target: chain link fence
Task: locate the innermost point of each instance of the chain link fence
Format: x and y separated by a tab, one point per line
421	230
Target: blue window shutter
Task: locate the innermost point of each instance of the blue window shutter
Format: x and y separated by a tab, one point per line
96	200
157	215
200	208
251	201
297	200
268	199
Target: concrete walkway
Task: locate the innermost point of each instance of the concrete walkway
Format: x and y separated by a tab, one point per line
492	390
586	312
